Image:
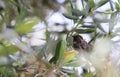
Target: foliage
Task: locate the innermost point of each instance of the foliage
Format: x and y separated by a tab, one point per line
57	57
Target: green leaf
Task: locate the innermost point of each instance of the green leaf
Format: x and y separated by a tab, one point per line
88	26
62	49
101	3
111	5
77	12
71	16
6	18
69	41
92	3
59	52
93	38
87	75
70	55
20	18
84	30
82	1
26	26
7	72
117	6
67	70
109	12
12	2
103	20
47	35
74	63
12	49
73	75
3	51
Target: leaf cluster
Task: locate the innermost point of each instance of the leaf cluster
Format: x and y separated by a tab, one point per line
17	19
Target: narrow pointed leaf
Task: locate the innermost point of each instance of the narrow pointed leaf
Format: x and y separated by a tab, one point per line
70	41
92	3
84	30
26	26
117	6
71	16
20	18
60	49
73	63
12	2
70	55
87	75
101	3
111	5
88	26
77	12
13	49
82	1
3	50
